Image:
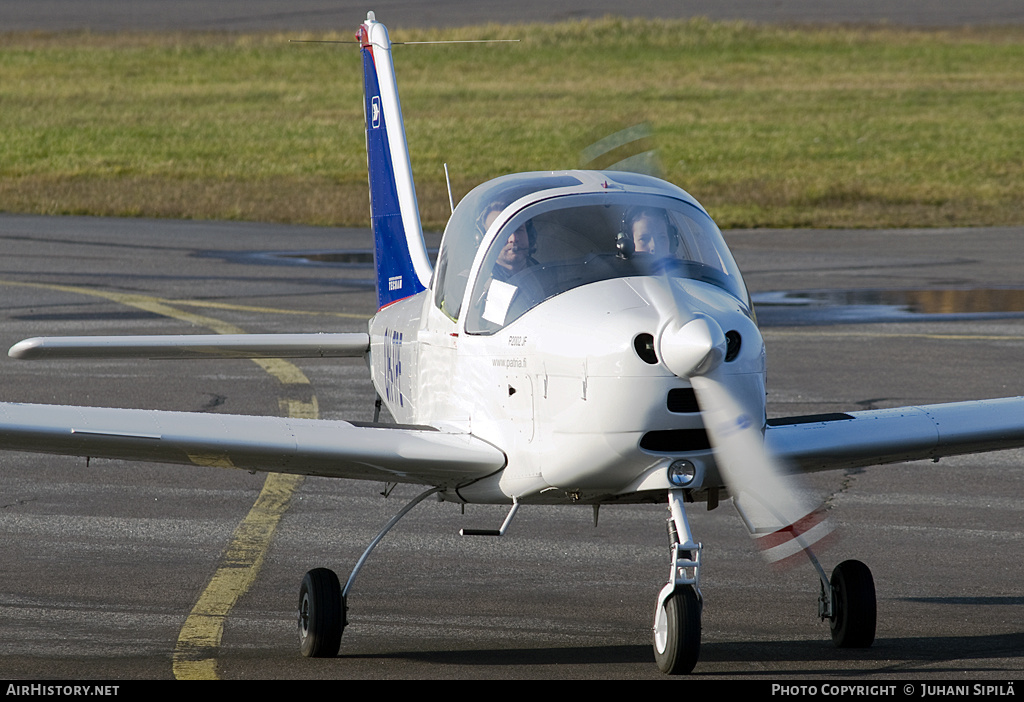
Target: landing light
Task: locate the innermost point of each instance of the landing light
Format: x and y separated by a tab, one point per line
681	473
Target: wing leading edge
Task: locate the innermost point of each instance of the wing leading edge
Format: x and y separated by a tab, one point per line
192	346
328	448
874	437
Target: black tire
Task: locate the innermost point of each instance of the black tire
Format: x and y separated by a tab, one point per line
854	609
321	614
677	633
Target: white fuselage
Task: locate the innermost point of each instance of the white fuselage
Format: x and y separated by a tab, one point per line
562	390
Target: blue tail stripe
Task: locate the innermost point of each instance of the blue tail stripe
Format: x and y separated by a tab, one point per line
396	275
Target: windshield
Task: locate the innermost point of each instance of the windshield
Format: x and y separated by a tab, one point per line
561	244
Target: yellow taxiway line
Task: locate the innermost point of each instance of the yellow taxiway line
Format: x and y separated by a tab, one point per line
195	653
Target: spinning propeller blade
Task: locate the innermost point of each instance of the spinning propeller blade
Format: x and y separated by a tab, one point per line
770	502
693	346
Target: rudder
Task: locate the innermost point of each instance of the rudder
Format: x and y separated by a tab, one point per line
400	255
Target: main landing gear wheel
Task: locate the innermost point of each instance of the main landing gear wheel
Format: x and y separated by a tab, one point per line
853	605
321	614
677	632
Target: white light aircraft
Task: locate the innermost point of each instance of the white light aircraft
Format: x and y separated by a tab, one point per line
585	338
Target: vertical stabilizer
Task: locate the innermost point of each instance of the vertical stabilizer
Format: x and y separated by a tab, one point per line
400	255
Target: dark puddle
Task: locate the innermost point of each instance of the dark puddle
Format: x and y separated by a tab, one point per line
809	307
355	258
347	259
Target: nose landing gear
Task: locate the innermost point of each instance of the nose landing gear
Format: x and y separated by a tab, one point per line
847	600
676	630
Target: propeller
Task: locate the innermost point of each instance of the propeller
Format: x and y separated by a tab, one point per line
772	504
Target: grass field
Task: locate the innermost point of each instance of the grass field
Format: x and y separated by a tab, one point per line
766	126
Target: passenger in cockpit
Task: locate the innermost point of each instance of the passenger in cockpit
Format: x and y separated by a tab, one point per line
649	231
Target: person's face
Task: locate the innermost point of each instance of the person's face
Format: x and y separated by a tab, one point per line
650	236
514	253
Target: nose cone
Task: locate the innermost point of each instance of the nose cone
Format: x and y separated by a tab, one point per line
693	348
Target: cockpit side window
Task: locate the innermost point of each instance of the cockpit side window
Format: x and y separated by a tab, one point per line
468	226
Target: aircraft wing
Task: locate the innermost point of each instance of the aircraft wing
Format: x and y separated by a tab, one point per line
391	453
194	346
835	441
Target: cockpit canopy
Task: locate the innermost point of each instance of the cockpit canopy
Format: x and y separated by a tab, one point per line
521	239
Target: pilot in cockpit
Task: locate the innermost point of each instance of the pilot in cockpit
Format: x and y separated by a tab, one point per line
517	253
511	288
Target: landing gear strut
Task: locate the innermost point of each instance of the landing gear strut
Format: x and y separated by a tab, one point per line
323	605
676	630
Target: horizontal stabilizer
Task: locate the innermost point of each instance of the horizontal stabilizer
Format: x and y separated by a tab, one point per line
193	346
330	448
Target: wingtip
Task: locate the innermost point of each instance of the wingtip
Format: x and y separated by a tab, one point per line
25	349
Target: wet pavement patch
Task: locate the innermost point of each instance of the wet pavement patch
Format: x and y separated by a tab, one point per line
127	315
354	258
812	307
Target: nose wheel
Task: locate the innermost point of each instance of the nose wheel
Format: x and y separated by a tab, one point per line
677	632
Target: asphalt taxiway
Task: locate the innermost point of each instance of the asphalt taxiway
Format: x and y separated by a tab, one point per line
345	15
104	561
